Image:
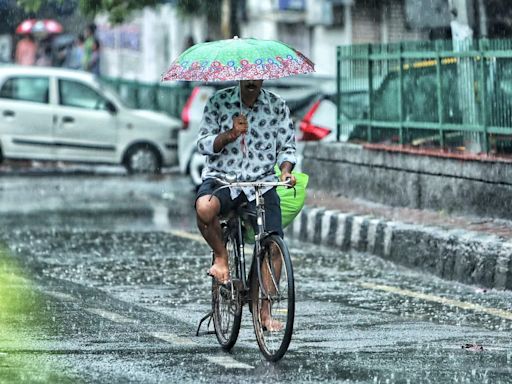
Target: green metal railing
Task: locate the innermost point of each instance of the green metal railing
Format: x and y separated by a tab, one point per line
435	93
160	97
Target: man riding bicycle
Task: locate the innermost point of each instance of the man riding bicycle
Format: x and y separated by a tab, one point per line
247	138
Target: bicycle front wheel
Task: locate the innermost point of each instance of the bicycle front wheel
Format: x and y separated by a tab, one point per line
227	299
273	298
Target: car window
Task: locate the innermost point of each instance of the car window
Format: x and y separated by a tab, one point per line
77	94
110	92
26	88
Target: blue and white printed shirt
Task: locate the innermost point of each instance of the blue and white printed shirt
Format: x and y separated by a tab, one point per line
270	138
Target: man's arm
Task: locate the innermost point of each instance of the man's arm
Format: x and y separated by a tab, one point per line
286	147
209	129
211	140
240	126
286	167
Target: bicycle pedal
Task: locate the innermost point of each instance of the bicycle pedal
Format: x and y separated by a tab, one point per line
237	284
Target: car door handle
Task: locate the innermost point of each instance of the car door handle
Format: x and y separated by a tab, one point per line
8	113
68	119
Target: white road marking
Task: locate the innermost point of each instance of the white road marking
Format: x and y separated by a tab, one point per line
441	300
60	295
173	338
111	316
248	248
188	235
160	216
228	362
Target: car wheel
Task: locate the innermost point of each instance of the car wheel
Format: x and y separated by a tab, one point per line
142	158
196	166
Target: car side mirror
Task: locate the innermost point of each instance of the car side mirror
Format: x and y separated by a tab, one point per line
111	107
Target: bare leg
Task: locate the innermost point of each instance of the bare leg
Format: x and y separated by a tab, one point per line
270	287
208	223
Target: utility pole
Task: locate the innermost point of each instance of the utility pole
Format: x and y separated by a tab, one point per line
225	19
482	19
462	36
231	13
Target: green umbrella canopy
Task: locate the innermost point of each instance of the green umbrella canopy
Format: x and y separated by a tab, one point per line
238	59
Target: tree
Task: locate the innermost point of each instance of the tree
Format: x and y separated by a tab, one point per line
118	10
224	15
11	13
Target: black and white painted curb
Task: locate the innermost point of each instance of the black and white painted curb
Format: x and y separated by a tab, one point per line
468	257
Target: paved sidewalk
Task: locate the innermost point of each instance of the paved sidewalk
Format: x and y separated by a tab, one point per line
498	227
471	250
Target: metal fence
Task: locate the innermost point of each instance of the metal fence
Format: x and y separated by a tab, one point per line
428	94
160	97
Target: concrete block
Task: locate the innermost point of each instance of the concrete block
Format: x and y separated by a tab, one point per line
311	224
359	233
343	230
503	270
372	237
328	227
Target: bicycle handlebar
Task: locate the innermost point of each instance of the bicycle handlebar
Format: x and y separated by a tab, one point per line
254	184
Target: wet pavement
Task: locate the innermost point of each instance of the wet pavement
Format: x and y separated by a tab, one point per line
106	276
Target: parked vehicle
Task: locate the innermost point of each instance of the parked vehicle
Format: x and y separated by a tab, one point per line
298	92
319	122
58	114
419	105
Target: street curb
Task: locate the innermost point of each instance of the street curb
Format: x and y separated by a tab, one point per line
465	256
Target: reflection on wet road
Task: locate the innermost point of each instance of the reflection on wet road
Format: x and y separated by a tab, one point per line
113	272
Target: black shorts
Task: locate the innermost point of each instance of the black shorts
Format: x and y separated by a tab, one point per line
273	221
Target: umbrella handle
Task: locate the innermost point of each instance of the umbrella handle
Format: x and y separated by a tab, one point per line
242	144
242	141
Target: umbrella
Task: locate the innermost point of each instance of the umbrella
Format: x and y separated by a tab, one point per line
238	59
44	26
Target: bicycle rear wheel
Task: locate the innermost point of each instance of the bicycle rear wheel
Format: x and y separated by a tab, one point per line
227	299
273	298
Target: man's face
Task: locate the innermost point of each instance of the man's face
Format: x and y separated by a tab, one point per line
251	87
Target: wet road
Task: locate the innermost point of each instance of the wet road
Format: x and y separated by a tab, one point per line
102	280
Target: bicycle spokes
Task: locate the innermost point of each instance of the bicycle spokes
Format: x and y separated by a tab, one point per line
273	299
227	301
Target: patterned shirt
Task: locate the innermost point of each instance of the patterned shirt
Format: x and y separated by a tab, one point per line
270	138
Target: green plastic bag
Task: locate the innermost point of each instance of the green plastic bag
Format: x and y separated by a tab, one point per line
292	200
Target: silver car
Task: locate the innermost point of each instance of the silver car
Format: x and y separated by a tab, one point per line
66	115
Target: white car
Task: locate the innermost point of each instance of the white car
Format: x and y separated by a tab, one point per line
66	115
192	162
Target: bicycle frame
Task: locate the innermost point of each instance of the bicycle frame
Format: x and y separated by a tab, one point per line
259	236
260	226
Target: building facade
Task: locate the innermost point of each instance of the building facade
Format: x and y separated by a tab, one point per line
143	48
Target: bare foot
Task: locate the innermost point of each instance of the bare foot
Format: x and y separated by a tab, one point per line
272	325
267	321
219	270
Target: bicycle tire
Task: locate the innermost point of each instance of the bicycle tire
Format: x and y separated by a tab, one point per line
273	344
227	299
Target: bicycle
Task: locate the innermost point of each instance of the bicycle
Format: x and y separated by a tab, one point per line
269	287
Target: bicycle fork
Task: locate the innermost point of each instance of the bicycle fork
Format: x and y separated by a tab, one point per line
260	221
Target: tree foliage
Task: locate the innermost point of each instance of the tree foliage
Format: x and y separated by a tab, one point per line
210	8
118	10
